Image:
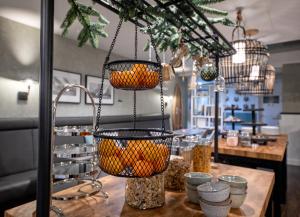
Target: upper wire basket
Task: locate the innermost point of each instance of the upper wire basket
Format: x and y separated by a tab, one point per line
134	74
133	152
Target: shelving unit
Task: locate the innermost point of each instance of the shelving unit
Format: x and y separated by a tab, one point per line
203	109
233	109
254	123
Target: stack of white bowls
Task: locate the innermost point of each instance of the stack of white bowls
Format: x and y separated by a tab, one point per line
192	180
214	199
238	189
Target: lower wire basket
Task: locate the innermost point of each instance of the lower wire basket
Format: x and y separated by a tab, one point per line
134	153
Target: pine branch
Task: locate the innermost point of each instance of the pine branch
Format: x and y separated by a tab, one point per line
91	31
206	2
213	11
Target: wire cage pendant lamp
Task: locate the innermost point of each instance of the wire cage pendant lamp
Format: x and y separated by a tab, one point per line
265	87
249	62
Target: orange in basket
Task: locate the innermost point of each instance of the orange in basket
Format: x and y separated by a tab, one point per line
108	147
129	156
163	150
143	168
111	165
151	79
159	164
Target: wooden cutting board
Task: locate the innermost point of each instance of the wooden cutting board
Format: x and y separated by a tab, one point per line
177	109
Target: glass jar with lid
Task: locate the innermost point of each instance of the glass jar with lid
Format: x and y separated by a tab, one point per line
232	138
245	139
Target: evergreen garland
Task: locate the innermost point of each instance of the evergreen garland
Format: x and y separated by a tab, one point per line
165	35
91	31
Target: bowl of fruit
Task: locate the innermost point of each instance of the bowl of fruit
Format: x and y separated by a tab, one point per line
134	152
134	74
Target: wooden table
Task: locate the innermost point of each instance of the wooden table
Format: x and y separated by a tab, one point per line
271	156
260	185
273	151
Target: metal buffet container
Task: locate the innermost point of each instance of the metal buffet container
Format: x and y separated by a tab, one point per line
74	164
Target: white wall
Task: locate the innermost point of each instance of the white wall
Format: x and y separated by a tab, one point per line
19	57
289	124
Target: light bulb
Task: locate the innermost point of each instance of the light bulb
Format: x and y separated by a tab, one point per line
254	73
240	55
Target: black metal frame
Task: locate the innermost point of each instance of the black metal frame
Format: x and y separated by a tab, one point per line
198	37
219	49
165	134
45	110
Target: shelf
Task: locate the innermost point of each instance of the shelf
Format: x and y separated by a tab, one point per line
203	116
254	124
235	122
232	109
255	109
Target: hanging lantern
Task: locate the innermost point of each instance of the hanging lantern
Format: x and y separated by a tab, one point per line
255	87
248	63
219	84
208	72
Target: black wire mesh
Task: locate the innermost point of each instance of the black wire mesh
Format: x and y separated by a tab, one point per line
208	72
133	74
248	64
134	153
265	87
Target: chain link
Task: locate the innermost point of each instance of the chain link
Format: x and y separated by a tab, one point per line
162	103
135	57
104	69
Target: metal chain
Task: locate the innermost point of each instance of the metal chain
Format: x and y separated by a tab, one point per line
104	68
135	57
162	104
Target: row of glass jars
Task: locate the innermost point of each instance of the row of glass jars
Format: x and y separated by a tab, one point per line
193	154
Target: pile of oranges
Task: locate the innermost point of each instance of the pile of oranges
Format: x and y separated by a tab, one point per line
138	77
142	157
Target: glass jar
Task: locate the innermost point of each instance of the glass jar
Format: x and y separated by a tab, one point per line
174	175
202	156
145	193
232	138
245	139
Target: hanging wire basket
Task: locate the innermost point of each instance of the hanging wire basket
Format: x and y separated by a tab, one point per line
248	63
256	56
133	74
133	152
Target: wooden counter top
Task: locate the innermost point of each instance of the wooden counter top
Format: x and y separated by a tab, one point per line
272	151
260	185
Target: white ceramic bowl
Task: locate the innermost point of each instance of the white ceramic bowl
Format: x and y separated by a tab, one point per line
214	191
234	181
197	178
192	193
234	190
215	209
237	200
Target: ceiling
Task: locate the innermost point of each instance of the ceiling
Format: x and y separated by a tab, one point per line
276	20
